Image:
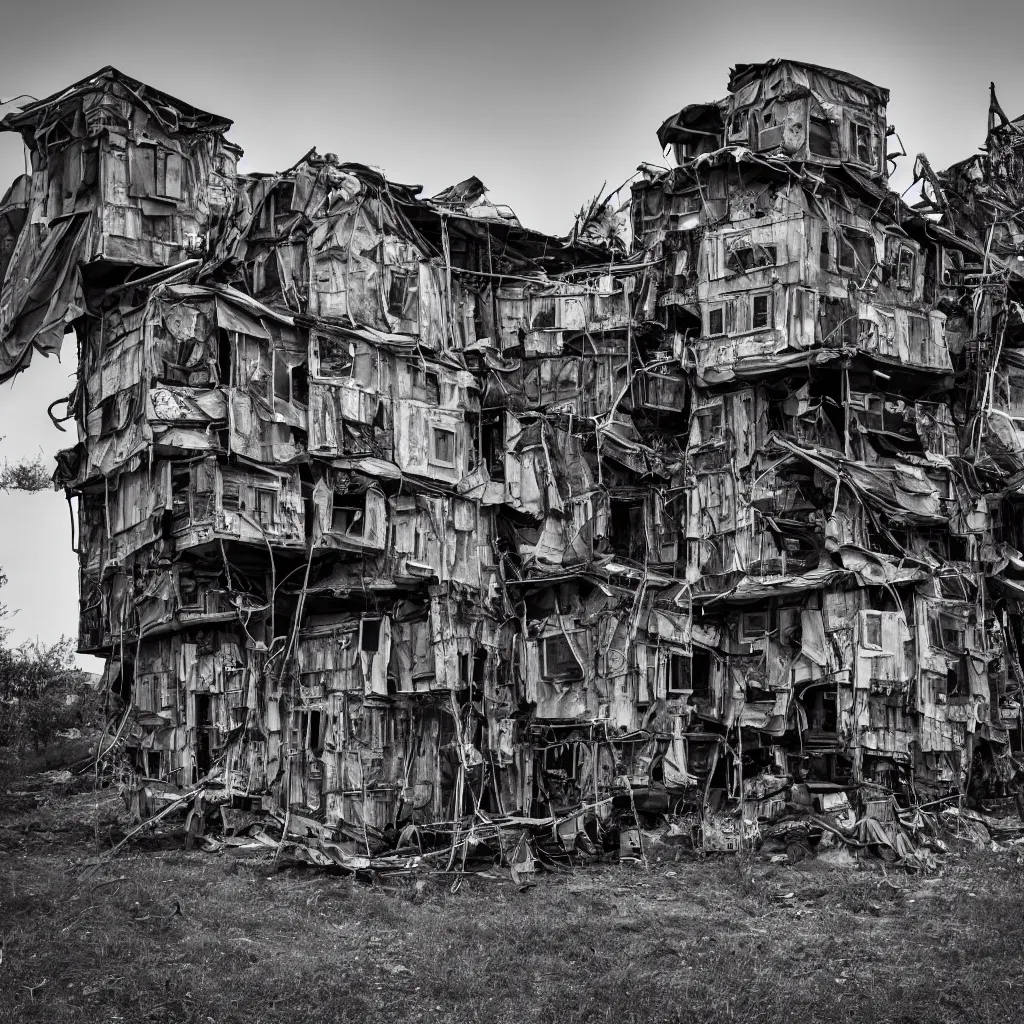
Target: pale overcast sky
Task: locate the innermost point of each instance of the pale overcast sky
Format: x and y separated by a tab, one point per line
544	100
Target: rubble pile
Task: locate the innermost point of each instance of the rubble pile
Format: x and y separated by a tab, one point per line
409	533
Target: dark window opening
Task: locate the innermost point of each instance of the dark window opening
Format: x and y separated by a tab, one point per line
493	443
824	252
678	673
282	379
348	514
700	675
752	257
314	723
626	528
181	480
401	293
336	357
716	321
369	634
760	312
856	251
905	270
153	764
820	142
432	386
559	662
223	356
300	383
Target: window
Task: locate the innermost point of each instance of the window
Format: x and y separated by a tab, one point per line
860	143
558	659
336	357
824	251
282	379
754	626
738	125
743	259
402	294
230	496
872	633
347	514
820	137
266	506
905	268
759	312
442	446
369	635
716	321
856	251
678	673
710	423
432	385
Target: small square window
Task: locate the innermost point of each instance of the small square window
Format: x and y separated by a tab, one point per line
266	506
759	319
442	446
716	321
754	626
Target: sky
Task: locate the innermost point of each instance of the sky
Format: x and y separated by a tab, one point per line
544	100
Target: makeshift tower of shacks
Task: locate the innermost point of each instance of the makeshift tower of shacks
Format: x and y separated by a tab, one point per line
393	512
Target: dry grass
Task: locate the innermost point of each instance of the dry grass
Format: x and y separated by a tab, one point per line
191	937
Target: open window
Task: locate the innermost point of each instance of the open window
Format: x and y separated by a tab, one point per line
348	514
403	293
710	423
369	635
291	382
678	673
820	138
825	250
442	447
558	662
743	258
856	251
627	535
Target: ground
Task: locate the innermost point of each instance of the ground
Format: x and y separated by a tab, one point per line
158	934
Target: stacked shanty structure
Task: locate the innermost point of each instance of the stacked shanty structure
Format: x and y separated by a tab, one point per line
391	511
